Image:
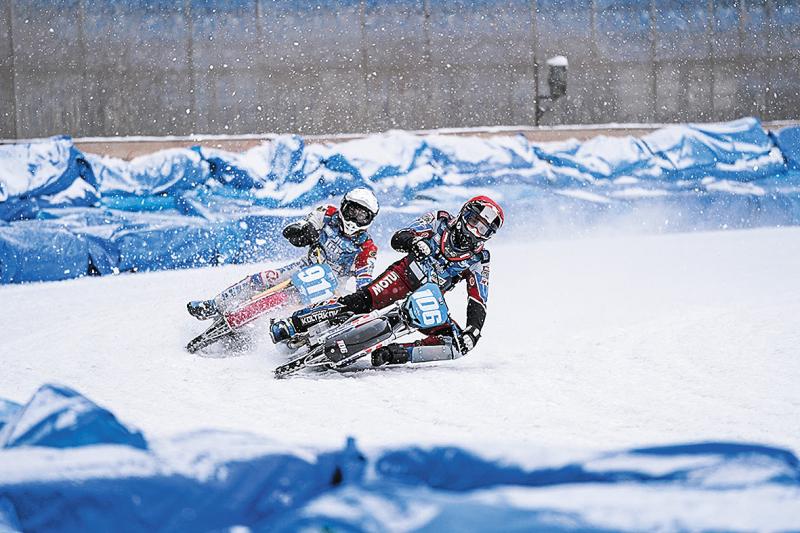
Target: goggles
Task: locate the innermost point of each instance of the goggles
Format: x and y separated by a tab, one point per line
358	214
481	221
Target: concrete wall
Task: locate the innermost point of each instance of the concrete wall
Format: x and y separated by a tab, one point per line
161	67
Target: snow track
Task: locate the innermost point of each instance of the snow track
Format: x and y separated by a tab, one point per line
589	344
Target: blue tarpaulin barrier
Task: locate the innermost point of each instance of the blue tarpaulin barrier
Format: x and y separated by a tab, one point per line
65	214
788	141
70	465
59	417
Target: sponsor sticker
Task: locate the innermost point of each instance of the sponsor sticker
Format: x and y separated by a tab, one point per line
485	275
379	286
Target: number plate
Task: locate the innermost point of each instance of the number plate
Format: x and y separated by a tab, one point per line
426	307
315	283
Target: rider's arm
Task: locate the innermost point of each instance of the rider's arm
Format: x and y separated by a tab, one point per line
364	263
306	232
477	277
439	344
422	227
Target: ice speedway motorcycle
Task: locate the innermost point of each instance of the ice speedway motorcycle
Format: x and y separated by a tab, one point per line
313	282
336	345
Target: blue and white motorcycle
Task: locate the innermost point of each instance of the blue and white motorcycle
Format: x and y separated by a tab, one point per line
336	346
313	282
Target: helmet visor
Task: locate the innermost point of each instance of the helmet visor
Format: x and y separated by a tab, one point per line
358	214
481	221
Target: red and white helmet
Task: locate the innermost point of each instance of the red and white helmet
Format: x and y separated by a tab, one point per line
359	208
479	219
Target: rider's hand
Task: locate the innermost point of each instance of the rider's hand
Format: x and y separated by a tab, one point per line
301	234
468	339
420	249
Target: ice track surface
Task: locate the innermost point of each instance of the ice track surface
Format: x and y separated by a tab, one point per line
594	343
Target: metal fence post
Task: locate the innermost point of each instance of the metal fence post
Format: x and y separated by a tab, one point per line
12	68
427	61
653	63
534	48
187	14
766	62
84	111
362	22
710	58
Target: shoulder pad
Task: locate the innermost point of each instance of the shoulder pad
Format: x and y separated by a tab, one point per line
427	218
368	244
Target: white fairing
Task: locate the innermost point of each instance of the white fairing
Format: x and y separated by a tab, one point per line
361	196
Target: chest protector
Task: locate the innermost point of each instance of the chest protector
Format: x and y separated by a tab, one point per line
447	272
340	249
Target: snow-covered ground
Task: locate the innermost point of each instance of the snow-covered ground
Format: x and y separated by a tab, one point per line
590	344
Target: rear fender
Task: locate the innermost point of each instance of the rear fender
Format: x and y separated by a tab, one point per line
359	338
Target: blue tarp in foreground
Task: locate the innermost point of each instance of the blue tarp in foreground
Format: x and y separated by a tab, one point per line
70	465
65	214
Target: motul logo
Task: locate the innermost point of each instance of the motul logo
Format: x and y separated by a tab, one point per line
384	282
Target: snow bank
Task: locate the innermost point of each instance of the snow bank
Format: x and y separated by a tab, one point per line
64	214
7	410
57	416
216	480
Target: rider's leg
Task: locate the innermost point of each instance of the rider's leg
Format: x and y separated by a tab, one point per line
438	345
240	292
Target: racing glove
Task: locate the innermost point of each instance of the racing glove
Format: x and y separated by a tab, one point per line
468	339
301	234
420	249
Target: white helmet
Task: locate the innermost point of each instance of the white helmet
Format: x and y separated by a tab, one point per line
359	208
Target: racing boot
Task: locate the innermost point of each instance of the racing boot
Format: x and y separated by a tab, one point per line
301	320
282	330
392	354
202	309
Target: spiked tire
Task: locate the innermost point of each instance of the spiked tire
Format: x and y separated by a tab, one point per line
218	330
347	361
315	357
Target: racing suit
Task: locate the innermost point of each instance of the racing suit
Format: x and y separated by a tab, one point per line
346	255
